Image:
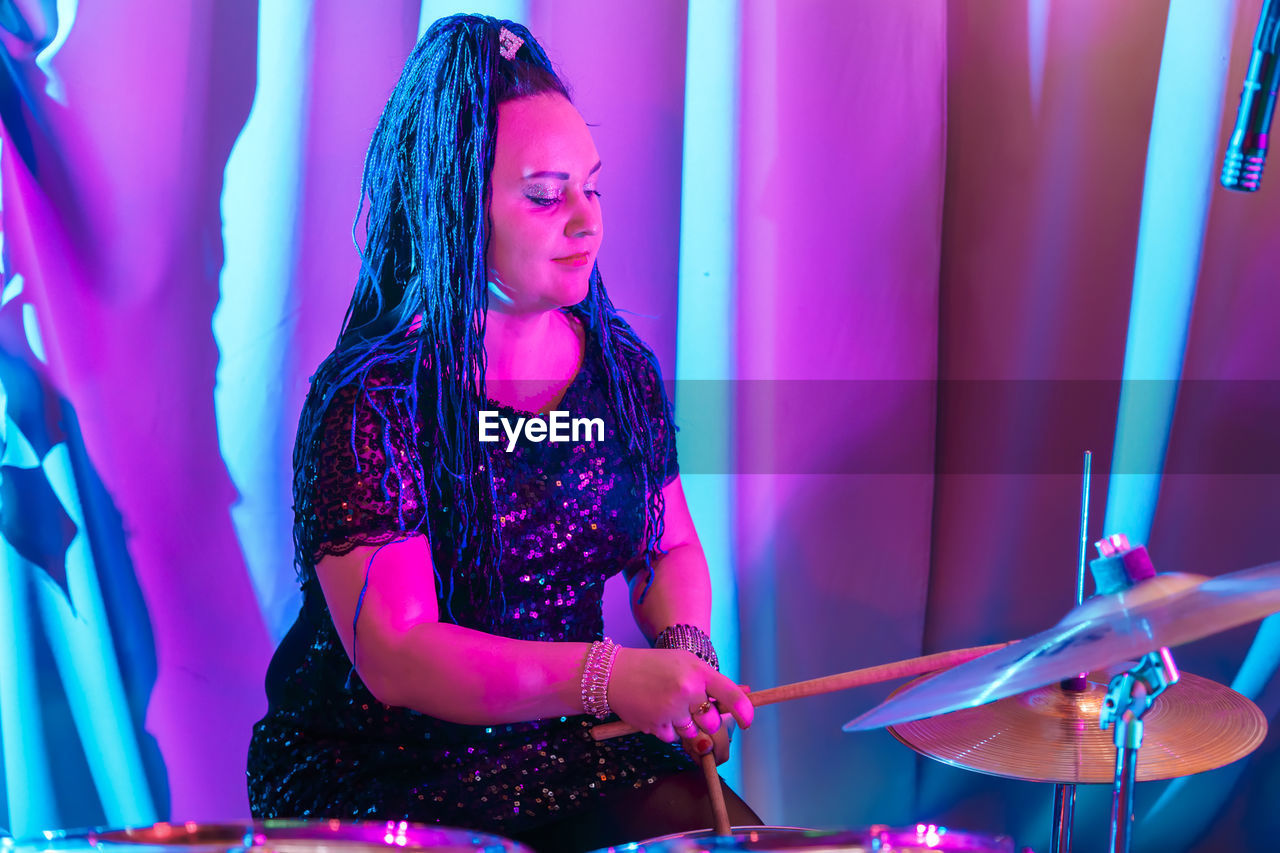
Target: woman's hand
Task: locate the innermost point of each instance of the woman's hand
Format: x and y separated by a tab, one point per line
670	693
717	743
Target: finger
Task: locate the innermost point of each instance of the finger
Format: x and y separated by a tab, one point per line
664	733
707	717
722	686
722	744
696	747
687	729
718	744
731	699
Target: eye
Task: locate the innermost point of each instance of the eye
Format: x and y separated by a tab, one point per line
594	192
543	200
544	194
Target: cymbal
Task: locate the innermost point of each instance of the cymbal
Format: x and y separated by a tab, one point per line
1051	734
1166	610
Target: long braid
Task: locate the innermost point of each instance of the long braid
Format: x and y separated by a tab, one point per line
421	297
621	346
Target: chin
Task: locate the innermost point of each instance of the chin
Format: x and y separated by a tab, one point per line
571	296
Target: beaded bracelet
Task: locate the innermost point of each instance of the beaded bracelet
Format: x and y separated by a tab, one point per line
690	638
595	677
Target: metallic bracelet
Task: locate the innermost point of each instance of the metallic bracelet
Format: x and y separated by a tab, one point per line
595	677
690	638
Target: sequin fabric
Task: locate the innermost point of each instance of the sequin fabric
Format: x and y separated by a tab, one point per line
571	516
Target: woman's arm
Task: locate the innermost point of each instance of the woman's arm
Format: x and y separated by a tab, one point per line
407	657
680	594
681	588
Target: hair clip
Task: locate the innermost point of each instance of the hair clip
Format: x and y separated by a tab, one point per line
508	43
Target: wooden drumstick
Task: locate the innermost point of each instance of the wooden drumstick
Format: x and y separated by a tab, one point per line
840	681
719	812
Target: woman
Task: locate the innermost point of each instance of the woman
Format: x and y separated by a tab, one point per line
448	662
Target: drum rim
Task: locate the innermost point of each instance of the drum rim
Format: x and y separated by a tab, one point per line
982	842
256	833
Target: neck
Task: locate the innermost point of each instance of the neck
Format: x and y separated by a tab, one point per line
516	345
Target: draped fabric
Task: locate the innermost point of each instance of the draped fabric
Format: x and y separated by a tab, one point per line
840	215
936	219
1039	243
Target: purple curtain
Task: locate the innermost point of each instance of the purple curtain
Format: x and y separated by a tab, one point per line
840	226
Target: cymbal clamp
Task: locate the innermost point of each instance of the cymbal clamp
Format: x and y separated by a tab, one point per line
1132	692
1127	699
1129	696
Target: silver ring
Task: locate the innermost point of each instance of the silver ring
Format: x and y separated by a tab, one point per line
685	726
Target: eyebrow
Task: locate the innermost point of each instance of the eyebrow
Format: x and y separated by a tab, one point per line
561	176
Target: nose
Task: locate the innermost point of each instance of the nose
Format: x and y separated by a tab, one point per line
584	219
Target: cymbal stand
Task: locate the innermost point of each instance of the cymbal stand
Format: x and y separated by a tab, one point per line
1064	809
1129	696
1064	795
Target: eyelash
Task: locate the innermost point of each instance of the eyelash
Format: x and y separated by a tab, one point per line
548	201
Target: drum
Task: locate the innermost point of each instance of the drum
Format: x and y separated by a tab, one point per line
272	836
875	839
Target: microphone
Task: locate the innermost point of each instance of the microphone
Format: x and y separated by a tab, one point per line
1242	166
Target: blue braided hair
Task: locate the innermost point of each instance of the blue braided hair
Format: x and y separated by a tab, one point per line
421	298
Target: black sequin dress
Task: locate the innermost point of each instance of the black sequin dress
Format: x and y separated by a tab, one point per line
571	516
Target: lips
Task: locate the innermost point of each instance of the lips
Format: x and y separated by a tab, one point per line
578	260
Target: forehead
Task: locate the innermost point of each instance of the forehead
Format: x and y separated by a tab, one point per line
544	132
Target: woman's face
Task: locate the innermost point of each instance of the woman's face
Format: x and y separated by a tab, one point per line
544	210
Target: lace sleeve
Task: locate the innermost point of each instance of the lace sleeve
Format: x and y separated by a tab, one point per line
358	496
